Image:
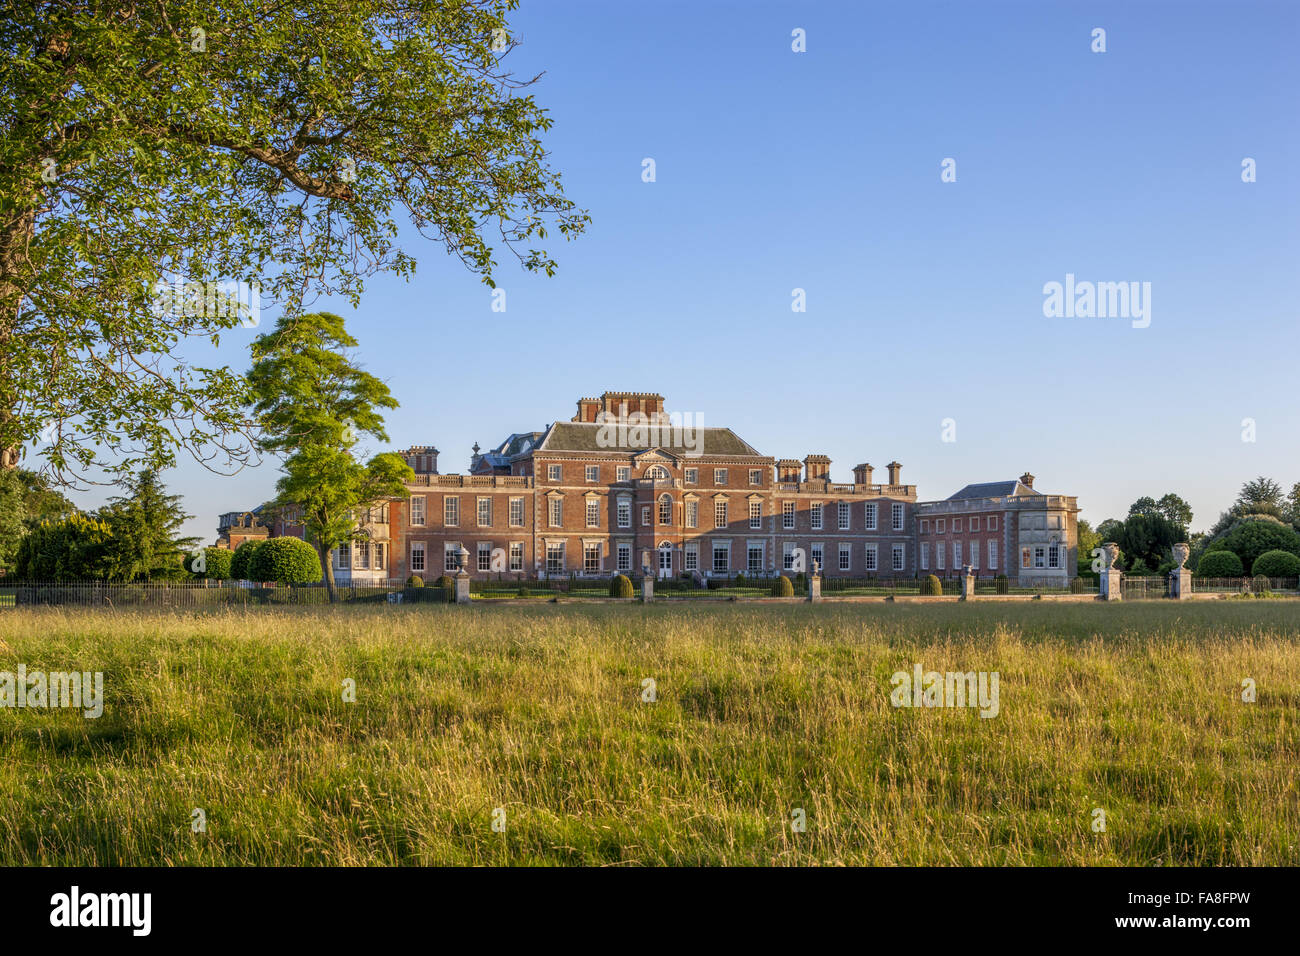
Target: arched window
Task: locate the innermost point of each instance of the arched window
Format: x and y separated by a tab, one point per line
665	509
657	472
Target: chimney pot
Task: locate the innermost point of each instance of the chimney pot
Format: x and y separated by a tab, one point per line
1027	480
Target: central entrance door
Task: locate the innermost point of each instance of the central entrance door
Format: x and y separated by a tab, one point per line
665	560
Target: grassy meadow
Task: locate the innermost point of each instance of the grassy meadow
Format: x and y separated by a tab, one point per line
760	710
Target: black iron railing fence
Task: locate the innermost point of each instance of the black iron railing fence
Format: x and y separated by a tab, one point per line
201	594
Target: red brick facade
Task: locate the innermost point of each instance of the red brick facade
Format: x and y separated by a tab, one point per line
587	498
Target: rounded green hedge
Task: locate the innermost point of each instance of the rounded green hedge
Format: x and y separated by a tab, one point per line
285	561
216	564
1276	564
241	561
932	586
415	581
783	587
1220	564
620	586
444	582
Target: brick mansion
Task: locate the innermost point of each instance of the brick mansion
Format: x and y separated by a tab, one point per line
624	485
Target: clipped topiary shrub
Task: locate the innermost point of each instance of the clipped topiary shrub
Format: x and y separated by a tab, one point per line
1001	584
783	587
444	582
215	565
620	586
1276	564
285	561
241	560
1220	564
932	586
415	581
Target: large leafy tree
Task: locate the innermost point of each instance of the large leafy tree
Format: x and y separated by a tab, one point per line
26	499
313	402
252	141
1170	506
1259	496
145	523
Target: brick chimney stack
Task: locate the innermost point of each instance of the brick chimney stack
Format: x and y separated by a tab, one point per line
1027	480
862	474
894	470
787	469
816	466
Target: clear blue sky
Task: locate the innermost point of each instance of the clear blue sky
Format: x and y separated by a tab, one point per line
821	170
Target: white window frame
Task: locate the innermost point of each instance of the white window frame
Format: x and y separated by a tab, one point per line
899	515
844	514
756	515
815	512
872	516
899	557
788	512
725	548
553	547
451	511
417	556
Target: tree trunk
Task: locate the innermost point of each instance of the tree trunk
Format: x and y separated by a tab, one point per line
328	567
15	236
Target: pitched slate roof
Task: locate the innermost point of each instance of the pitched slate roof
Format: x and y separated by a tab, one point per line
582	436
994	489
516	444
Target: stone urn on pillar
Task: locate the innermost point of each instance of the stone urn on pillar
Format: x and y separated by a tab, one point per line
647	579
1111	588
967	583
462	575
1180	579
815	582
